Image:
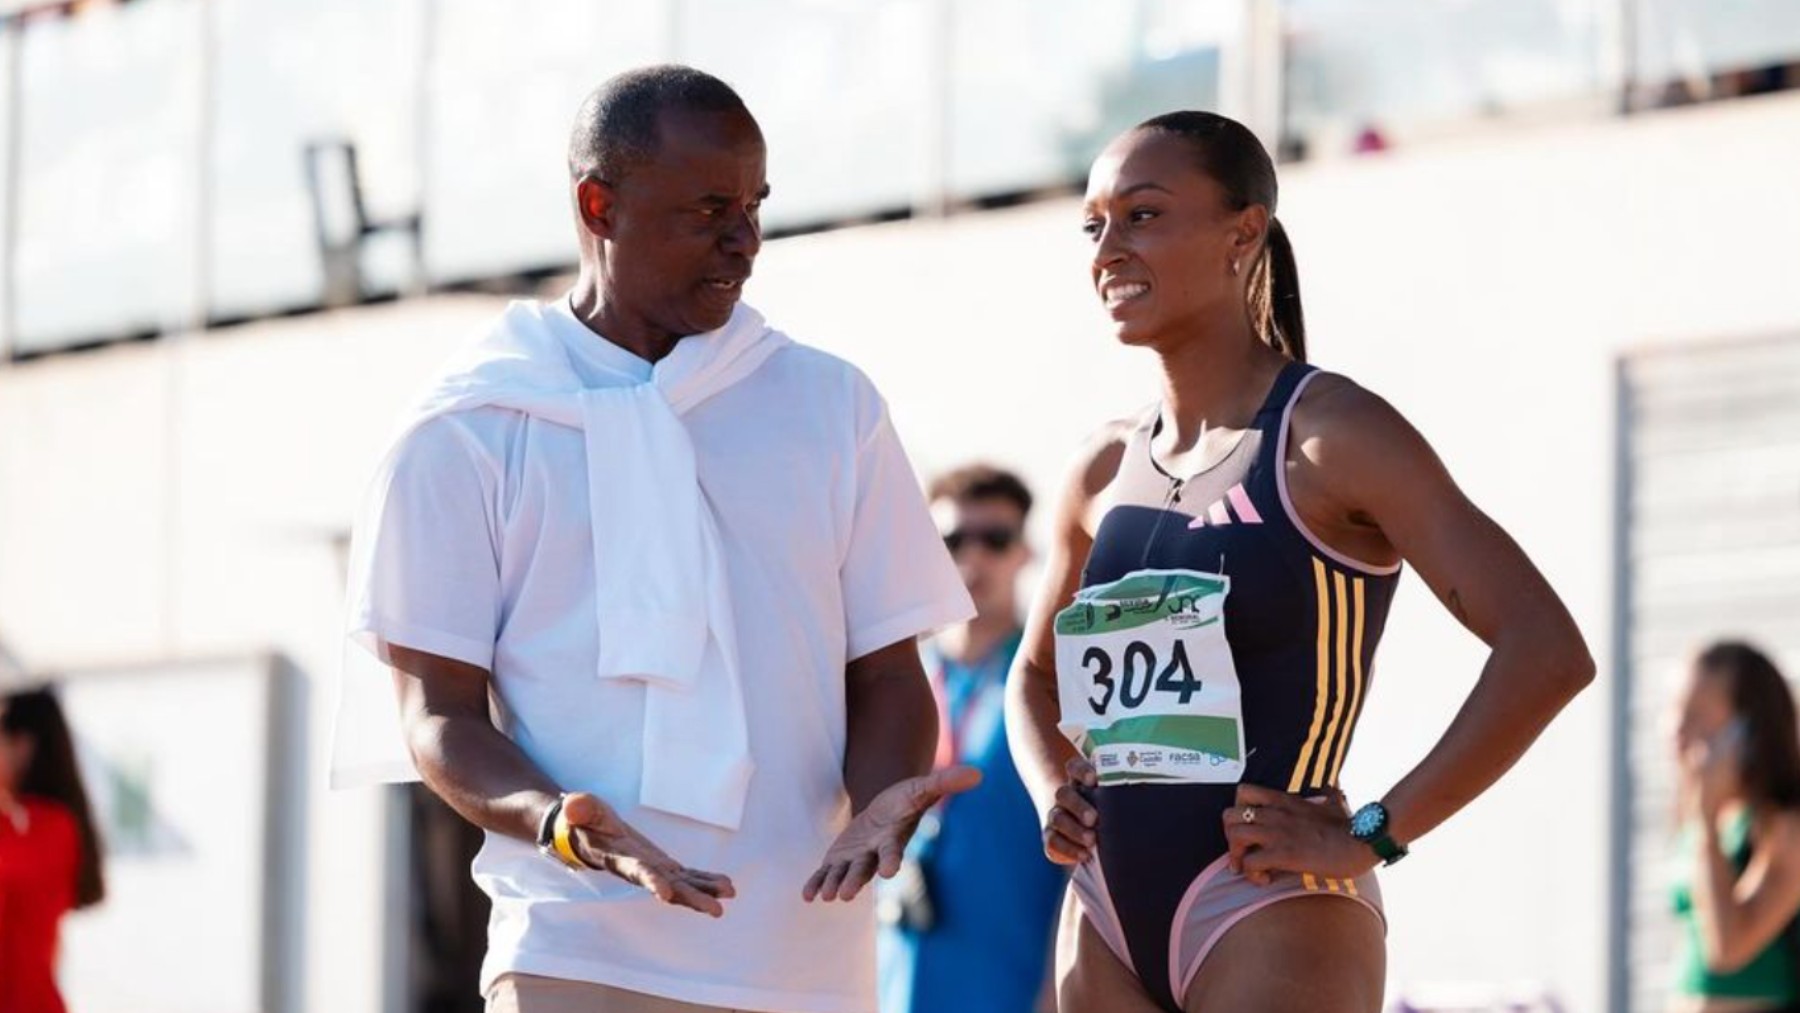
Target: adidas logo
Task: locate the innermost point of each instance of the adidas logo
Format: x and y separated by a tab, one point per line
1234	508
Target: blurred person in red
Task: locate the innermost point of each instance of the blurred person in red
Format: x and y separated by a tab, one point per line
49	849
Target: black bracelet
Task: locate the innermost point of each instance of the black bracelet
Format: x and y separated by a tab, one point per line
546	835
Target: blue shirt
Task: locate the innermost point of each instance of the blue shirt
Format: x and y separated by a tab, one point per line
994	894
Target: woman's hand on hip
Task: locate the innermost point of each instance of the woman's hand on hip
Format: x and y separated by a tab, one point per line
1071	826
1272	831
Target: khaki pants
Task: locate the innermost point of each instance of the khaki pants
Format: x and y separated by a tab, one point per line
529	993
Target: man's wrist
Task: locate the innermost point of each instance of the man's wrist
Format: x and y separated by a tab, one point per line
863	791
546	827
556	837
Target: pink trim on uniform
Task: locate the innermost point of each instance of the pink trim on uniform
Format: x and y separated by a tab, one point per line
1179	922
1287	502
1280	893
1217	515
1089	883
1240	501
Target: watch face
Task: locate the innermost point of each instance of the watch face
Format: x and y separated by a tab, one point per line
1368	821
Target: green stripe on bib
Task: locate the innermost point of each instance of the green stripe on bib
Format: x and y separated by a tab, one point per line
1197	732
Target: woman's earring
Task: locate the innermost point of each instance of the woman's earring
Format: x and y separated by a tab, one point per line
1234	267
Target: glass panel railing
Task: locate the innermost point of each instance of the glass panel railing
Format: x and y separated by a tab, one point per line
1361	73
458	112
9	39
107	192
505	83
446	122
840	88
1695	49
1038	87
271	103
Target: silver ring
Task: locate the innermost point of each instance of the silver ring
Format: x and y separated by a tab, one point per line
1249	814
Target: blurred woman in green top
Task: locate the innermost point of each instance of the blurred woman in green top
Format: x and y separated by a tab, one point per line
1739	898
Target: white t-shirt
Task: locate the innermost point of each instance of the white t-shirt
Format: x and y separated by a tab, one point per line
483	554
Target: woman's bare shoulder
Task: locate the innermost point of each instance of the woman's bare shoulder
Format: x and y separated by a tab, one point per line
1093	469
1348	436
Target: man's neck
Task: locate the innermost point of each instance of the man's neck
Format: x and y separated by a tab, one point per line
977	638
588	303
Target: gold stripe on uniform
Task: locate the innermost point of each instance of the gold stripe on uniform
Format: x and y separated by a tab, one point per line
1356	684
1337	710
1307	879
1298	781
1350	886
1332	885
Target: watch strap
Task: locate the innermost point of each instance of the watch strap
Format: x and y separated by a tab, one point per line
1388	849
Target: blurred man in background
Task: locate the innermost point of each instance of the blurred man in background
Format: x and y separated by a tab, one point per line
967	923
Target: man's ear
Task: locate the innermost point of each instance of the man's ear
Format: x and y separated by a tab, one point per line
595	200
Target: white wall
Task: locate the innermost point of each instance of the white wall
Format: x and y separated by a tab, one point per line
1483	288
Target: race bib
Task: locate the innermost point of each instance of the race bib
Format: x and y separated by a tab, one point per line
1148	689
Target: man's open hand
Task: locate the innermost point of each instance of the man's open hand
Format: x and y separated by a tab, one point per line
876	839
605	842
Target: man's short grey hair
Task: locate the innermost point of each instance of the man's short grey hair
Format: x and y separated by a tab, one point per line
615	131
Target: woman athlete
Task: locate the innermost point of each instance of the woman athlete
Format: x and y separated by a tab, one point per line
1204	639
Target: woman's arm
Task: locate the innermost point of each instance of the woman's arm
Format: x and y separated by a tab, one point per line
1357	463
1377	465
1047	762
1739	916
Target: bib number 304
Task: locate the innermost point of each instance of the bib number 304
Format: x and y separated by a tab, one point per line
1136	672
1146	681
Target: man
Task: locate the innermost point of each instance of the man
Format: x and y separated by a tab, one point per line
967	924
686	560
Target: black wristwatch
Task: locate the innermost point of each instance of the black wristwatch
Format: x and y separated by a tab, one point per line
1370	826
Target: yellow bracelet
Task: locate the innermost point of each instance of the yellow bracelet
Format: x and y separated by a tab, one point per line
564	843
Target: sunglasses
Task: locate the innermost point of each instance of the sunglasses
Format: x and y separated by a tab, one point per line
991	539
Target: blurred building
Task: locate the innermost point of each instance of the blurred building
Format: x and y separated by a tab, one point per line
1563	236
